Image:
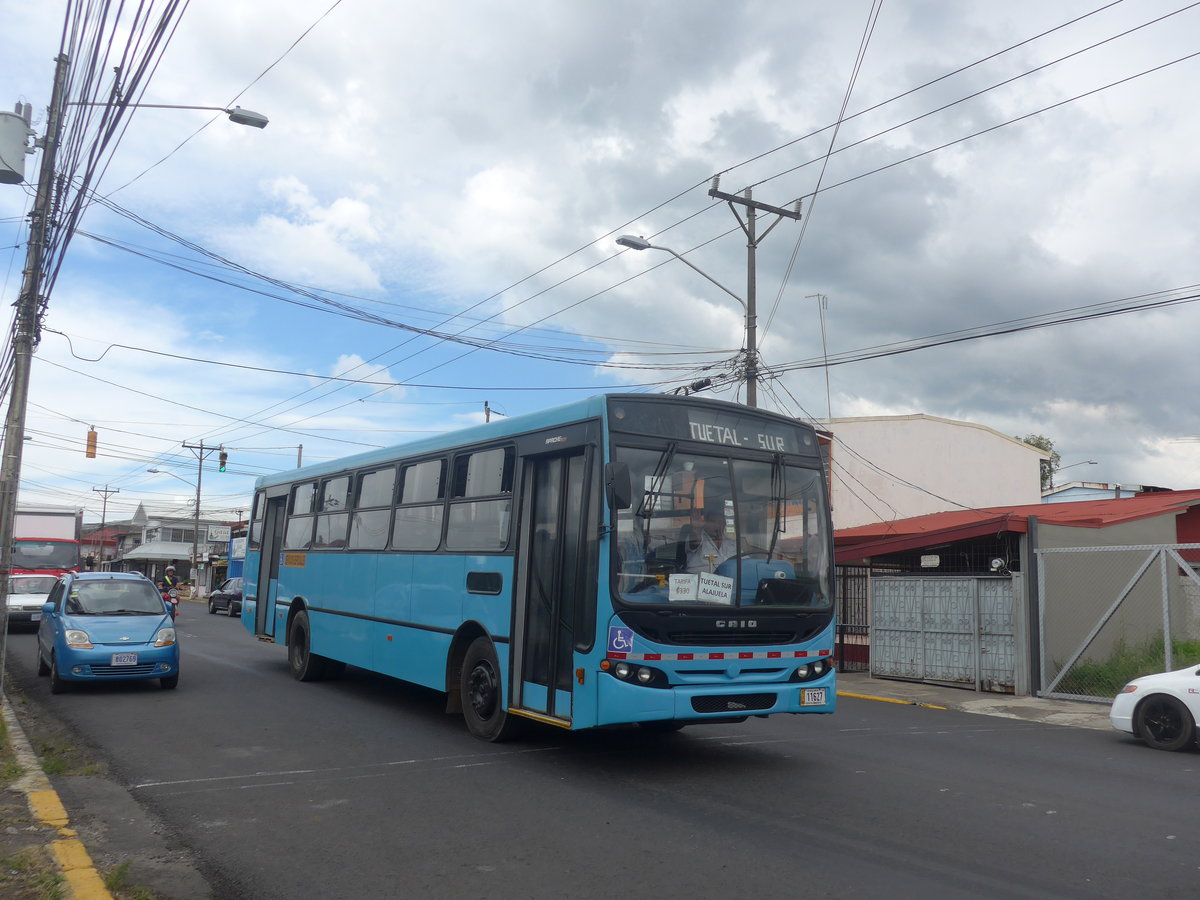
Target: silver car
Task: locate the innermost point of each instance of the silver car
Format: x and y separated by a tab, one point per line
26	594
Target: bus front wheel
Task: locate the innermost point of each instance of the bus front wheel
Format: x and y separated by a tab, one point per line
482	694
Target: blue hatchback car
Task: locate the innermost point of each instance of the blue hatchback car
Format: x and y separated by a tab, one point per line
101	626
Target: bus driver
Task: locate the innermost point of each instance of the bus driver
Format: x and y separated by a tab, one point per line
708	546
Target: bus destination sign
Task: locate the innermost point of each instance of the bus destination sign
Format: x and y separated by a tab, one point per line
730	428
723	434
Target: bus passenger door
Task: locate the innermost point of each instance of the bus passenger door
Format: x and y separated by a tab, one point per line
552	582
267	584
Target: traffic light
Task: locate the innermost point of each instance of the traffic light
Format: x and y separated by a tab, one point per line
90	451
221	460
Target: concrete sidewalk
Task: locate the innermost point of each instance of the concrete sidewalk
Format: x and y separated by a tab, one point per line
1073	713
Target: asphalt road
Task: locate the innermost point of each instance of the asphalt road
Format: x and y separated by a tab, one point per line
364	788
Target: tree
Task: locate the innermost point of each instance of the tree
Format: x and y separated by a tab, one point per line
1049	466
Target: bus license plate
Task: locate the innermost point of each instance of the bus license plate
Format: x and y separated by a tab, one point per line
812	697
124	659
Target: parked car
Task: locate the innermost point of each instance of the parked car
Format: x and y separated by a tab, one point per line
26	596
227	597
103	626
1160	709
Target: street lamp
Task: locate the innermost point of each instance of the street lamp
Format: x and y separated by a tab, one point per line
639	243
196	520
26	325
237	115
1086	462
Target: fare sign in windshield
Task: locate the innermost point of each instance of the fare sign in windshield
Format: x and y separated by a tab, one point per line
727	425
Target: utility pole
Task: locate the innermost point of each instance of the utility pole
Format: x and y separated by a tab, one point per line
104	517
25	336
753	239
201	453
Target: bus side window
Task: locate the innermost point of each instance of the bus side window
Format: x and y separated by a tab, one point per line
256	521
299	532
418	524
333	520
372	509
481	524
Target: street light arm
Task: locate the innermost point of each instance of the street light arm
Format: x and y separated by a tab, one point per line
172	474
236	114
695	268
1086	462
635	243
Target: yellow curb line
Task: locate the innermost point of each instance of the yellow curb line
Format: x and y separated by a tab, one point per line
890	700
78	871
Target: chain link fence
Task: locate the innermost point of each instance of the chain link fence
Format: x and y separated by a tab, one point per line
1109	614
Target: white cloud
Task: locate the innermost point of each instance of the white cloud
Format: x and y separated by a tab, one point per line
422	160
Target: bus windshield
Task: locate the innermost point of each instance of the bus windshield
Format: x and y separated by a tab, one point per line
709	528
43	554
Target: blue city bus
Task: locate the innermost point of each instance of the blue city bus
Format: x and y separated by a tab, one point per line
626	559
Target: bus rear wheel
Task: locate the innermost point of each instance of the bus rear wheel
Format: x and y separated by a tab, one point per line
306	665
482	693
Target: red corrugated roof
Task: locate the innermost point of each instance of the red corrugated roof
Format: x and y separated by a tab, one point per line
957	525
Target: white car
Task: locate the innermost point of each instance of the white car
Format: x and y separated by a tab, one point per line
1160	709
26	594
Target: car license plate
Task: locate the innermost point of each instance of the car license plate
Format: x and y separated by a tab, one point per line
35	617
124	659
812	697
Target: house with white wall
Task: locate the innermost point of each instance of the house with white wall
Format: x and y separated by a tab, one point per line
894	467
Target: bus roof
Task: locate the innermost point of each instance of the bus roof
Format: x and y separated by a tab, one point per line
509	426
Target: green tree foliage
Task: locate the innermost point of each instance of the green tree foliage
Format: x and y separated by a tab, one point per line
1049	466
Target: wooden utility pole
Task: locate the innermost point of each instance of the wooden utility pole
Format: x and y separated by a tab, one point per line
26	332
753	239
105	492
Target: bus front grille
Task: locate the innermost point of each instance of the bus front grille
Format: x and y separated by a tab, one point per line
733	703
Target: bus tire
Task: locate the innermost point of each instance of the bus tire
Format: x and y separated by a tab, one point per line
305	665
481	690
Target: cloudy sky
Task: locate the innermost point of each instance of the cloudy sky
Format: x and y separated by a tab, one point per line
431	216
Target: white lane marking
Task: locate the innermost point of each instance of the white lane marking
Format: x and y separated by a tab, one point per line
338	769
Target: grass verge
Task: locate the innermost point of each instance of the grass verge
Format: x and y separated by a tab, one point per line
1105	678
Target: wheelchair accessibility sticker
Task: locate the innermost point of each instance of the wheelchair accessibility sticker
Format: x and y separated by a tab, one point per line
620	639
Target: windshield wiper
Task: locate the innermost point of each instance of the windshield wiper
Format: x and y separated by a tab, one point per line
656	480
778	488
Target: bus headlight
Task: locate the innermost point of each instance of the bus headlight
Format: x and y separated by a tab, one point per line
643	675
811	671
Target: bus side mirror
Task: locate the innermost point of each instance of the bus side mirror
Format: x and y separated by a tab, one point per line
617	487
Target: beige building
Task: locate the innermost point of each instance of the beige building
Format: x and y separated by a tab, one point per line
895	467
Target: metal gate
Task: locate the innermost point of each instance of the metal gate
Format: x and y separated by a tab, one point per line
1108	614
948	630
853	650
